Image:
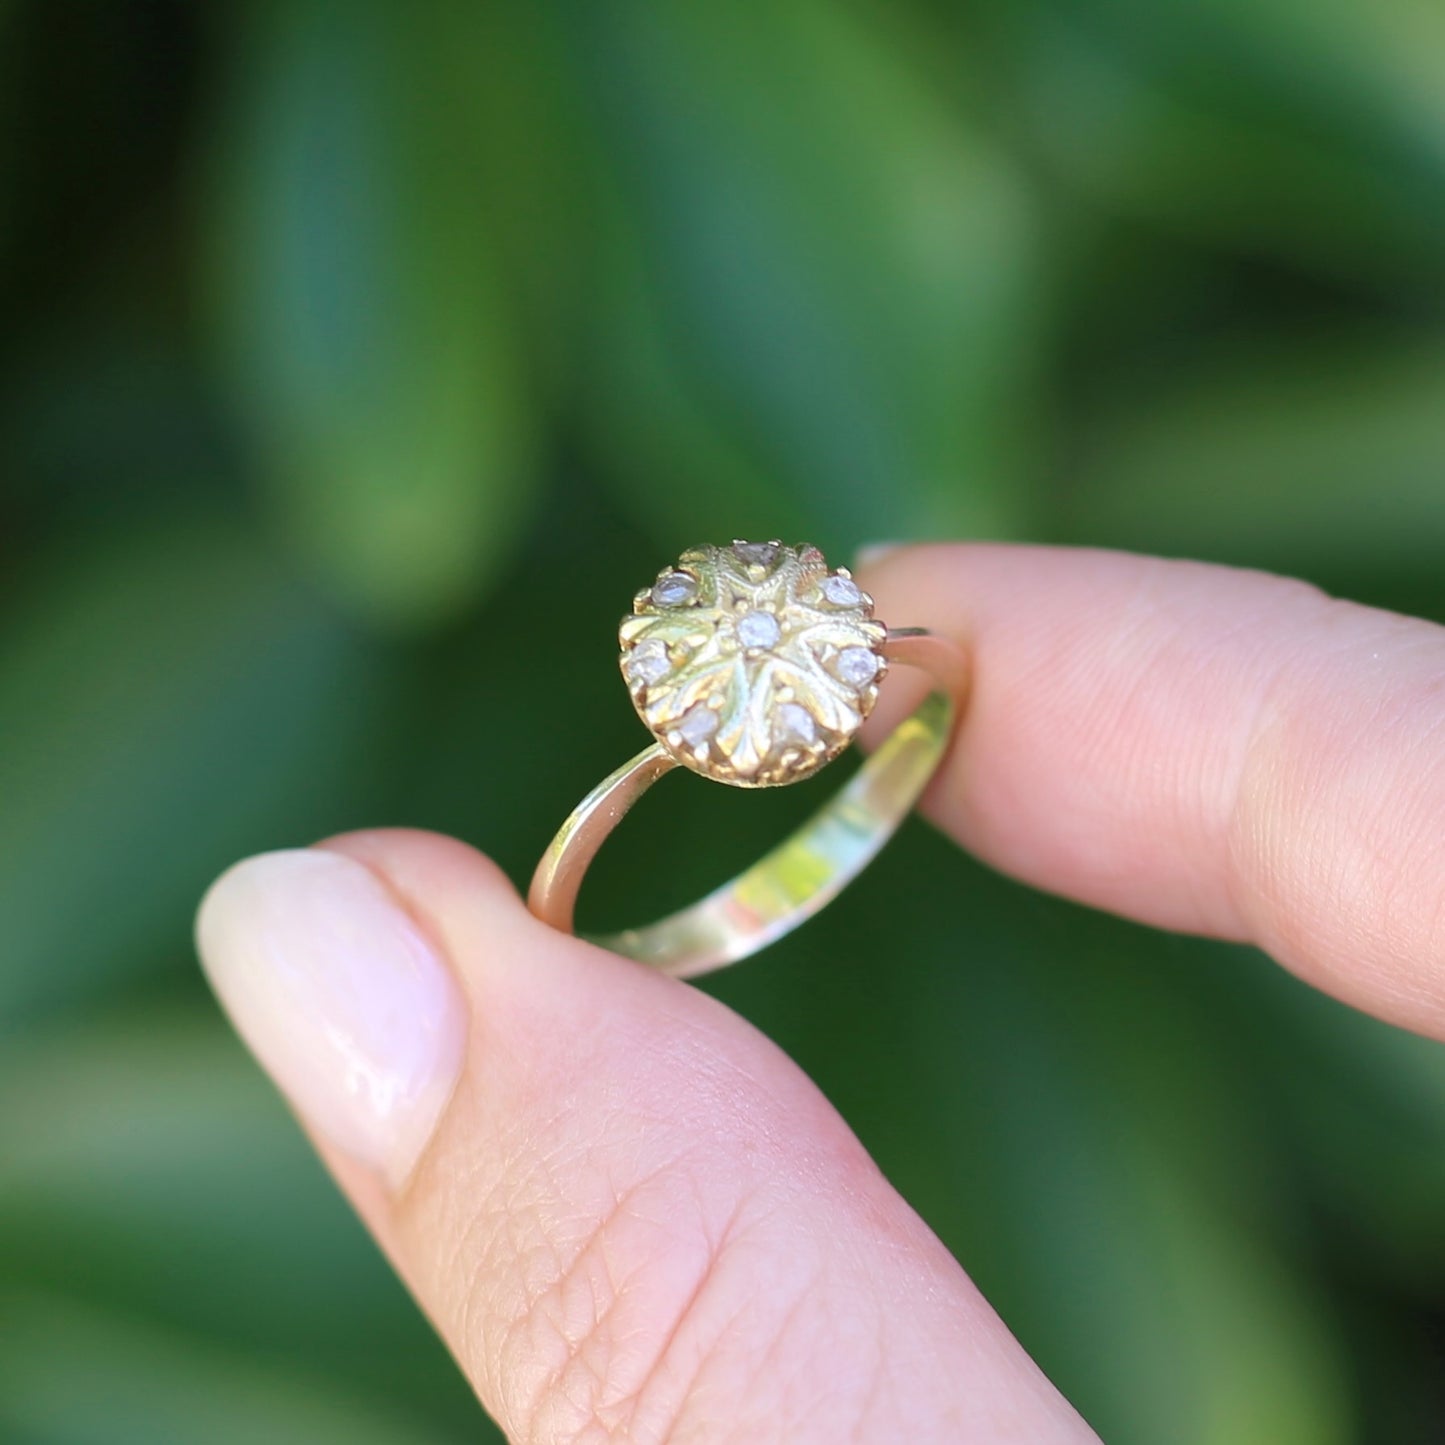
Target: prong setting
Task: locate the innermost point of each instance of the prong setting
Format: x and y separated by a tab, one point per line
754	664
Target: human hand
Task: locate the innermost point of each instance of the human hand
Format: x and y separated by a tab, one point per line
628	1213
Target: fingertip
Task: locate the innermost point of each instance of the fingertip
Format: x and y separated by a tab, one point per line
341	996
900	572
1204	748
621	1203
419	862
508	961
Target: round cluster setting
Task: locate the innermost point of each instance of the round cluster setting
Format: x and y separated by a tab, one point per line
754	664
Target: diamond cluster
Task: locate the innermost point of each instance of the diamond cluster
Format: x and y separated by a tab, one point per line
754	664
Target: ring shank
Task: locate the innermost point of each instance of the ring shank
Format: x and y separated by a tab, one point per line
794	880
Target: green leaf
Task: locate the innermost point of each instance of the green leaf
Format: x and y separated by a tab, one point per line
1131	1202
153	1131
1308	132
360	310
1325	454
1363	1105
818	311
71	1375
10	128
152	1168
169	700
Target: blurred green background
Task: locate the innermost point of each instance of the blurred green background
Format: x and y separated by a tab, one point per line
358	361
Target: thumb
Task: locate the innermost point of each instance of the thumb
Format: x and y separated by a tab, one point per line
627	1212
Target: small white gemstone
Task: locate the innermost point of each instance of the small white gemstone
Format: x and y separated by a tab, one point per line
673	589
698	723
842	591
759	629
757	554
649	661
857	666
793	723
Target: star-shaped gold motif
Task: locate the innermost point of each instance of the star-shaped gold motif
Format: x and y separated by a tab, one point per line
754	664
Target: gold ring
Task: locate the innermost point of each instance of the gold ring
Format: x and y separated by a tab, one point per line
755	665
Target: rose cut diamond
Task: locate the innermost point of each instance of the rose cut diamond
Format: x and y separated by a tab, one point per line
673	589
757	554
649	662
759	629
842	591
698	723
857	666
793	723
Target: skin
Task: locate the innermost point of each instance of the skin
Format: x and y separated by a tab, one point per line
638	1219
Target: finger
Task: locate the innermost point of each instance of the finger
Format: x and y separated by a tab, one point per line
626	1211
1206	749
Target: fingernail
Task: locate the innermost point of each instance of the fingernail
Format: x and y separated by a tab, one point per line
340	996
871	552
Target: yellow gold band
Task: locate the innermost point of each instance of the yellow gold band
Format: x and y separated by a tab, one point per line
801	874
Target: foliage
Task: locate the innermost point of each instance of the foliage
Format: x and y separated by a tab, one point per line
355	358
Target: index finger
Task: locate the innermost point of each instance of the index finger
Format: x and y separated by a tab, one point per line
1205	749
